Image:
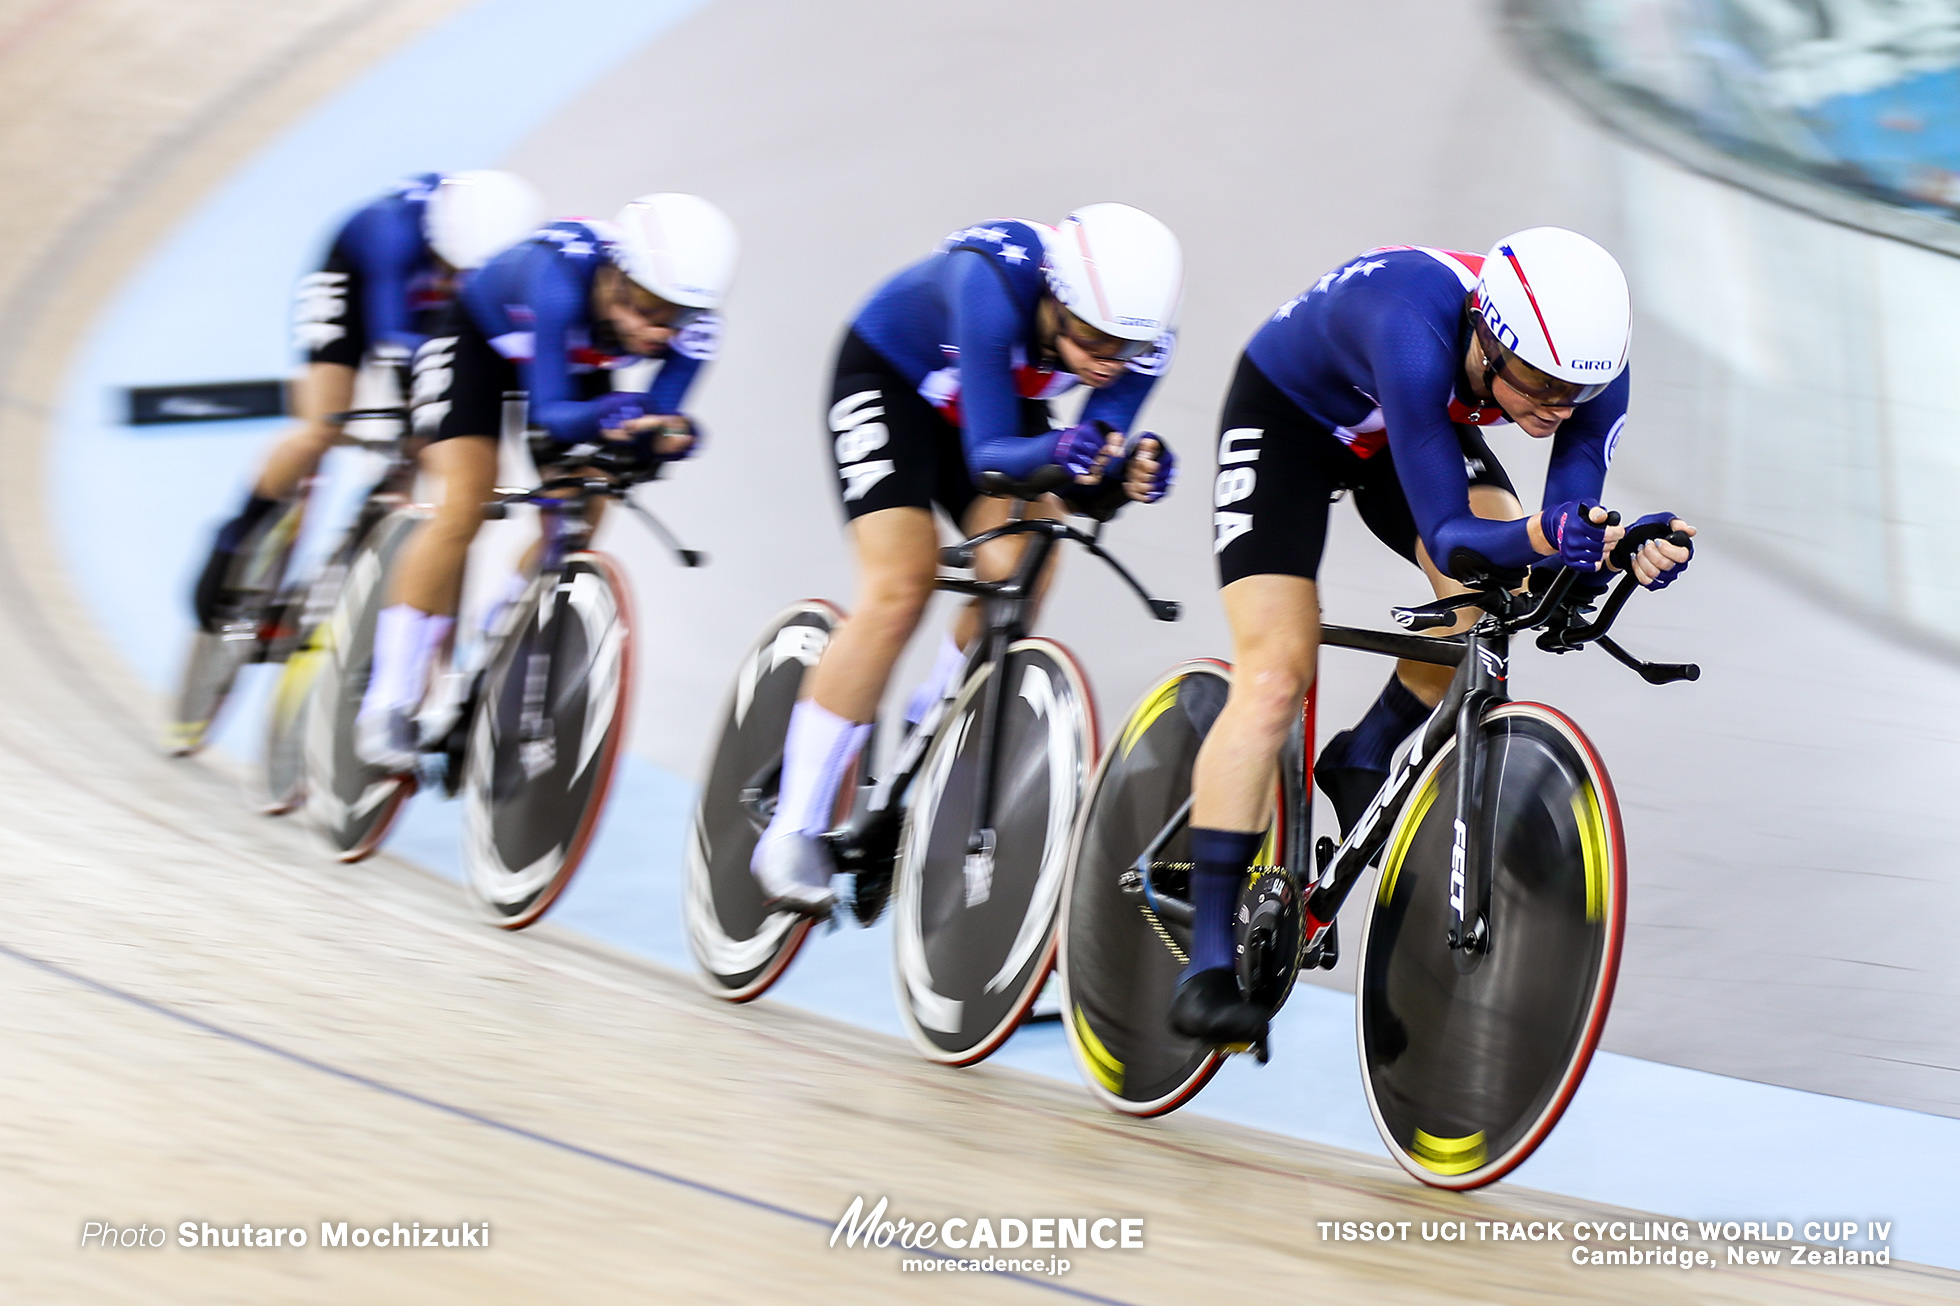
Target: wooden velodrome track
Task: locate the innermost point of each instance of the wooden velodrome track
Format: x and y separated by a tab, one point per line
203	1020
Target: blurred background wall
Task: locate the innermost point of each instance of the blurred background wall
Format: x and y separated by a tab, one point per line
1790	212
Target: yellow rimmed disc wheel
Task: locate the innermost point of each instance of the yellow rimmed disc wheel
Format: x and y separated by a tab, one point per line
1469	1058
1119	959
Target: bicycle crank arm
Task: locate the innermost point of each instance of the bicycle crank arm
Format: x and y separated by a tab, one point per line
867	843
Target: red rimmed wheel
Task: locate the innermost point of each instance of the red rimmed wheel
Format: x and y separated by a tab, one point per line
1469	1059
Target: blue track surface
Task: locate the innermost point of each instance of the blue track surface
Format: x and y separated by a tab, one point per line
1639	1134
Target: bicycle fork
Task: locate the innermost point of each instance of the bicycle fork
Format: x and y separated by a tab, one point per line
1485	671
537	731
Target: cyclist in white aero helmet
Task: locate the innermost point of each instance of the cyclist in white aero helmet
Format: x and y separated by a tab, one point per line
1562	331
391	271
679	247
473	216
556	317
945	374
1379	381
1117	269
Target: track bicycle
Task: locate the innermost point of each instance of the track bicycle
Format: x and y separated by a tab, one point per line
968	829
1490	944
301	639
532	745
267	616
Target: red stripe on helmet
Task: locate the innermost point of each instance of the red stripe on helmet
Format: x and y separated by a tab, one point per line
1526	283
1089	266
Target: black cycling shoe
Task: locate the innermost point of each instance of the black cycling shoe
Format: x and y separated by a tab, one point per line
211	597
1349	788
1208	1007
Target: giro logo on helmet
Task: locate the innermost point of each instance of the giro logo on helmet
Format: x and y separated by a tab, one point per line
1505	336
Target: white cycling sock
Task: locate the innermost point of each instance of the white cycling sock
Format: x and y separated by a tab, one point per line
939	682
406	640
817	751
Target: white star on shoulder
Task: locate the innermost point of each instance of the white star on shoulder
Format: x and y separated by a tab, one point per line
1366	268
1286	310
577	248
1324	282
1015	254
996	234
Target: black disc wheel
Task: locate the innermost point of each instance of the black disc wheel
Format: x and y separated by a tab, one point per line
1119	959
974	927
742	947
242	635
348	800
544	738
1469	1058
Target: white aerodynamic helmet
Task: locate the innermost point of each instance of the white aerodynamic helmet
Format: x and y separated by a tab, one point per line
1118	269
680	247
473	216
1553	315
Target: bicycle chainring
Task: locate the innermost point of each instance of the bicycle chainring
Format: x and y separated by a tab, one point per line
1269	937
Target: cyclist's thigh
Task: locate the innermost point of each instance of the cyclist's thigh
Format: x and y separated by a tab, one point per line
897	555
891	448
1276	474
323	388
468	468
1275	624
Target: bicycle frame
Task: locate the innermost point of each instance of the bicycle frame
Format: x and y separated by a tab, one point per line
389	490
1481	657
868	841
565	527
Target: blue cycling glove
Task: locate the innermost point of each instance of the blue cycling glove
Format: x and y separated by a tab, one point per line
1077	448
1664	521
621	406
1576	541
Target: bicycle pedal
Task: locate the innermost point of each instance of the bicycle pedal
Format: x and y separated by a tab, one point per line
1258	1048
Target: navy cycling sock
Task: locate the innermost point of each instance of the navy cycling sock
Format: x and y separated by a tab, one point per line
1221	859
1373	741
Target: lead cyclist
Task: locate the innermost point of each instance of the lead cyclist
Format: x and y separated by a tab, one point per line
1380	380
390	272
945	374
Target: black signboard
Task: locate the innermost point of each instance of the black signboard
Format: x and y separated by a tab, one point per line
217	401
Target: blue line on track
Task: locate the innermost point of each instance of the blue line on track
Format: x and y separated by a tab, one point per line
488	1122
